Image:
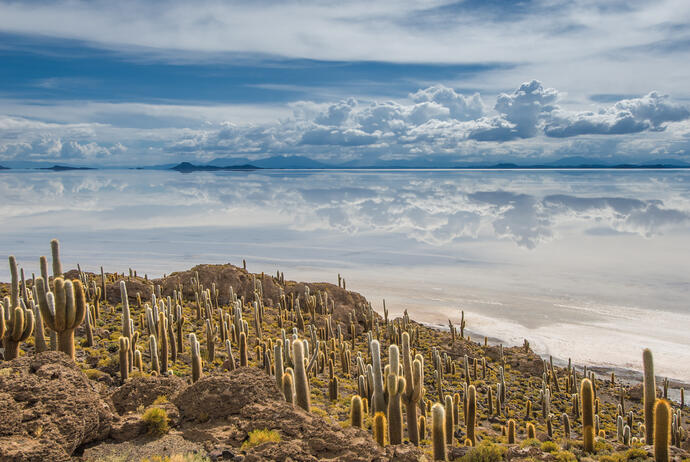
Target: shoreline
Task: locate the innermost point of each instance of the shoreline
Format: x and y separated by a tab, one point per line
625	375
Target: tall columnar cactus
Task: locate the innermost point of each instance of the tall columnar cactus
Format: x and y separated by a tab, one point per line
414	385
163	322
649	394
471	414
55	251
566	425
531	431
124	358
153	353
126	319
278	358
450	424
19	322
395	386
302	395
63	310
244	357
379	428
210	340
356	412
288	386
378	402
587	398
662	430
511	431
438	431
195	348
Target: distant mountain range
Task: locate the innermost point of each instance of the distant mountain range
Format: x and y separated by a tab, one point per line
428	162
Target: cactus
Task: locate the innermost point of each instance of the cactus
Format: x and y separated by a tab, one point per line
379	428
511	431
421	427
471	414
244	358
163	323
278	358
63	310
450	423
302	395
57	265
395	386
587	398
438	431
649	394
210	341
378	402
287	387
531	431
662	430
153	353
566	425
196	357
356	412
124	358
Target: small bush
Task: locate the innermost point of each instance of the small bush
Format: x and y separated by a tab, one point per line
258	437
635	455
156	420
162	399
485	452
549	446
532	442
564	456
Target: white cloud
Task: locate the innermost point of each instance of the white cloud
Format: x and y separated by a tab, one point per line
532	122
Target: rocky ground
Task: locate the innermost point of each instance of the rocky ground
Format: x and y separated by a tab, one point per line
54	408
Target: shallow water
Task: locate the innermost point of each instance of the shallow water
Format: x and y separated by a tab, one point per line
591	264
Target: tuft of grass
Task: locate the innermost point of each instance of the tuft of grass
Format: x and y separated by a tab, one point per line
257	437
486	451
156	420
189	457
162	399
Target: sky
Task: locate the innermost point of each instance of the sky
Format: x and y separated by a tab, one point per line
135	83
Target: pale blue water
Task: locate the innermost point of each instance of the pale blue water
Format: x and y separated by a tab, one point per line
582	263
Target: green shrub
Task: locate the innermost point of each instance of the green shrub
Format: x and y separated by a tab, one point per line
485	452
564	456
156	420
635	454
549	446
257	437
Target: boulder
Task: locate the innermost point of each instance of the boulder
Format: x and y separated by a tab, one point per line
48	398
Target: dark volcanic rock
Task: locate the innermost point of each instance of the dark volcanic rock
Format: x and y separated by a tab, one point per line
143	391
47	397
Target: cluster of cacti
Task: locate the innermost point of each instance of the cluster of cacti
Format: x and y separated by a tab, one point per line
345	355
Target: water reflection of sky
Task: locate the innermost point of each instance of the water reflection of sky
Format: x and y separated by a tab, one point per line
546	240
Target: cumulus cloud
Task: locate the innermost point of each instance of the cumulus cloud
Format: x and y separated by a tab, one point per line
650	112
529	122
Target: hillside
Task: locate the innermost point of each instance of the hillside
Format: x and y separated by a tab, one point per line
204	363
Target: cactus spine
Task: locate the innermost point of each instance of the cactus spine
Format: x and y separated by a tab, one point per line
302	395
438	431
356	412
662	430
587	398
649	394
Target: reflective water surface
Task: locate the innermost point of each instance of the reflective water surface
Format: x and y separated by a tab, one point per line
591	265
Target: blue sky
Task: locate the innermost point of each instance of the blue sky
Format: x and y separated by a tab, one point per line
141	83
